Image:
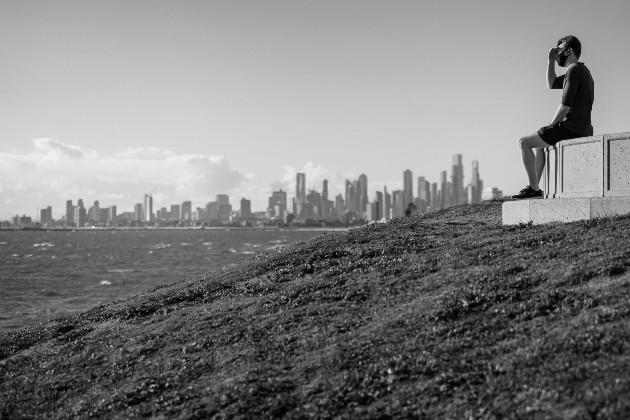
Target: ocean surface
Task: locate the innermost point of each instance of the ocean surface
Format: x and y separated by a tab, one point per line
44	275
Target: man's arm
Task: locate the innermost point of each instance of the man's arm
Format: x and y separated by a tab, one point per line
551	67
561	112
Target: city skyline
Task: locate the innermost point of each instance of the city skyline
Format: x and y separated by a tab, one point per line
307	204
111	100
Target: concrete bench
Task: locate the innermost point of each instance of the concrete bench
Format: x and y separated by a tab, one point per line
584	178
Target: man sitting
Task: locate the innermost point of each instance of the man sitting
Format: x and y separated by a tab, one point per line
573	117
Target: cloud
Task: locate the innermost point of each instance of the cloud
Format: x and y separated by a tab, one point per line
314	174
144	153
55	147
56	171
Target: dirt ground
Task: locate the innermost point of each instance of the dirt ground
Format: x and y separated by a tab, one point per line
445	315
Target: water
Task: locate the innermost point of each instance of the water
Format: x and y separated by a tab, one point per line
49	274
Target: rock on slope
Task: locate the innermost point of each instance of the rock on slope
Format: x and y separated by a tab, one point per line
447	315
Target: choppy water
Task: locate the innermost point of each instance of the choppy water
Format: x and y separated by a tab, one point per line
48	274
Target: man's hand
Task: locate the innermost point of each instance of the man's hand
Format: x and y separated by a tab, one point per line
551	66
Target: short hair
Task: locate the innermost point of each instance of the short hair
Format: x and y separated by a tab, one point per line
573	43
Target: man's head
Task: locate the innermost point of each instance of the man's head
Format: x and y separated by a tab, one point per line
569	50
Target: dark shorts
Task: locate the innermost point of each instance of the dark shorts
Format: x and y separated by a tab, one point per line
552	134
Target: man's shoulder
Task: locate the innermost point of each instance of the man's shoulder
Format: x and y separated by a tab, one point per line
578	68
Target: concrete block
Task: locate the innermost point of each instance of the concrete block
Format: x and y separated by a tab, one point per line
580	167
559	210
617	164
563	209
515	212
609	207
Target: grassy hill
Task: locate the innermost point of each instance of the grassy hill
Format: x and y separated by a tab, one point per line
446	315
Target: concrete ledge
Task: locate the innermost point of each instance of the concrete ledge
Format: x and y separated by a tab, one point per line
541	211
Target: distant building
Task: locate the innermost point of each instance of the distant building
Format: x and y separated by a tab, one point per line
300	194
148	208
69	213
398	204
387	204
476	184
277	206
362	193
424	195
340	207
491	193
186	215
137	210
94	213
457	182
175	212
444	191
246	208
46	216
80	214
378	202
112	216
435	198
407	188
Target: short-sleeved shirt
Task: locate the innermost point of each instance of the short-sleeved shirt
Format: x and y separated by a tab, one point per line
578	94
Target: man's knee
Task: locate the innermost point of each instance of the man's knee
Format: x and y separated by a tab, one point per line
522	141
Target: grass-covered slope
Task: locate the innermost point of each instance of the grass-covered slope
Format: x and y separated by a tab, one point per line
449	315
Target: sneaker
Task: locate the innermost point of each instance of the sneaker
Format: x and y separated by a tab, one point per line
528	192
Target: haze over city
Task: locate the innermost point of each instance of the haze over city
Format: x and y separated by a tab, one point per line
186	100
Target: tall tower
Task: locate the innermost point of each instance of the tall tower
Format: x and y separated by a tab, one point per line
476	184
445	190
457	180
148	208
69	213
387	204
379	206
407	188
300	194
362	193
424	194
350	197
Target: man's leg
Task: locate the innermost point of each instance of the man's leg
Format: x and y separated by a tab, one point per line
534	163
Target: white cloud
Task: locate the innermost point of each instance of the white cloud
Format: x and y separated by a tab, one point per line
56	171
57	148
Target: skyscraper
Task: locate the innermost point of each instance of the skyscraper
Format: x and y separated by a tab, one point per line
398	204
351	201
94	214
69	213
476	184
138	213
148	208
424	195
407	188
175	212
46	216
300	194
444	191
378	200
327	205
278	204
387	204
246	208
362	193
457	181
186	214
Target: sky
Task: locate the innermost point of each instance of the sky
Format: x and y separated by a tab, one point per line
109	100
